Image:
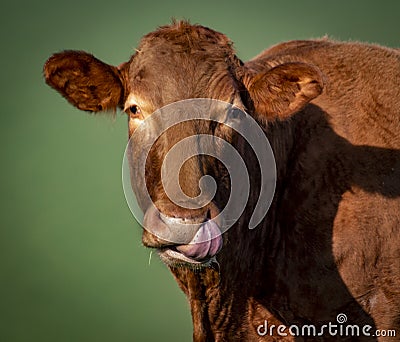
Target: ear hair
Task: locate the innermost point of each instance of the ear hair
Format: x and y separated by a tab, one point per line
283	90
86	82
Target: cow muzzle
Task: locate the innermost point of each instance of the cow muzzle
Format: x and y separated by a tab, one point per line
183	240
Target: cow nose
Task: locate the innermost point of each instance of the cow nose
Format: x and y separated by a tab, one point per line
169	230
182	228
206	243
196	238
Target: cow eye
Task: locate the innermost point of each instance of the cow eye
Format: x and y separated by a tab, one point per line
134	110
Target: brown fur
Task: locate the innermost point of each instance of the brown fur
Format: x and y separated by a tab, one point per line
83	80
330	242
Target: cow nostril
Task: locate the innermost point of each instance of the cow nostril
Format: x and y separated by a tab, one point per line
171	220
193	239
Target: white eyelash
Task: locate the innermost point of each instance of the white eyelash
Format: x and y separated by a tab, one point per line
132	100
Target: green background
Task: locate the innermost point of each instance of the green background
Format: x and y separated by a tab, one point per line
72	267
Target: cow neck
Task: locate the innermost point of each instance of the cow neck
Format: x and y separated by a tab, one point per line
217	293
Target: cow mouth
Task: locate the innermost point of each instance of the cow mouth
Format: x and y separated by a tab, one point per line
173	258
205	244
200	249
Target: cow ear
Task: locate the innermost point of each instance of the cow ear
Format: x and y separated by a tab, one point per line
86	82
284	90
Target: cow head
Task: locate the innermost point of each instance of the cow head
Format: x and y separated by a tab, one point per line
177	62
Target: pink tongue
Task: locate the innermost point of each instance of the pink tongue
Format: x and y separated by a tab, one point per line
205	244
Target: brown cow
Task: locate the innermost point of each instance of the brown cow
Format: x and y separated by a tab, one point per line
329	248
